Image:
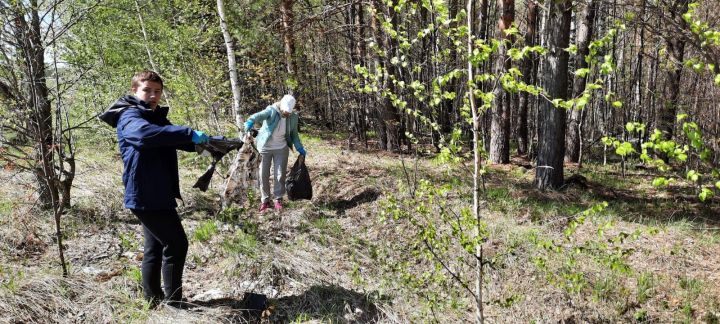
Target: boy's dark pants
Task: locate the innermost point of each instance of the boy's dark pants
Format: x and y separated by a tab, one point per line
166	246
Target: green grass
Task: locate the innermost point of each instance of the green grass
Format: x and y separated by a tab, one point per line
310	139
709	238
128	242
608	177
241	243
499	193
10	279
205	231
645	286
541	210
605	288
328	226
301	318
692	286
134	274
6	207
231	214
136	310
640	315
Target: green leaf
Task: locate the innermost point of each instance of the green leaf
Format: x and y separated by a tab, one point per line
515	54
581	102
572	49
607	141
693	176
512	31
617	104
630	127
705	194
660	182
705	155
624	149
582	72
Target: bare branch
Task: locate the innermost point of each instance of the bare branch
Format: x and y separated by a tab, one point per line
74	19
448	270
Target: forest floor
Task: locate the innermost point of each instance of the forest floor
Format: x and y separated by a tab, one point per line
650	256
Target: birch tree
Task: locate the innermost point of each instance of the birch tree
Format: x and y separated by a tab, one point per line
232	66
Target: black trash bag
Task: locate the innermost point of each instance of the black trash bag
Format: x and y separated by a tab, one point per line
217	146
297	182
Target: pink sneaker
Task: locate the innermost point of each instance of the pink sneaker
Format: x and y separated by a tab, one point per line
278	205
264	207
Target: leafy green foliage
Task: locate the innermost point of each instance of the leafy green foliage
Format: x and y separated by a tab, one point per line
707	35
439	234
671	152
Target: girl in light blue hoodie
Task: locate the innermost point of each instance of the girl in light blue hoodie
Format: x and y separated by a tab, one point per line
279	132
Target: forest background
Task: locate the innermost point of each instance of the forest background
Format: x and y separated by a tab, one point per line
473	160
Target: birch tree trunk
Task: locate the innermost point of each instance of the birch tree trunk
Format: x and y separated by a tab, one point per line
145	38
232	66
479	316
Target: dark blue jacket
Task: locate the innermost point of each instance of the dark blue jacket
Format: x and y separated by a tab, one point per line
148	143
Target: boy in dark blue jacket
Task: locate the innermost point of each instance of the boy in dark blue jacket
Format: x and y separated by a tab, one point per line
148	144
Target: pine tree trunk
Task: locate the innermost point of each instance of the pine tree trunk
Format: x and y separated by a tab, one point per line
529	75
286	13
482	19
447	108
500	120
388	118
554	79
675	52
584	34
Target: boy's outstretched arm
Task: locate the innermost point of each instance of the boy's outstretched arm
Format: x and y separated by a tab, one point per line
141	134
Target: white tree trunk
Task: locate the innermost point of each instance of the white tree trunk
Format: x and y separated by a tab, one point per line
145	38
232	66
479	318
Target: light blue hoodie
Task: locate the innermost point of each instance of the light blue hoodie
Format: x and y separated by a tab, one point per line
270	117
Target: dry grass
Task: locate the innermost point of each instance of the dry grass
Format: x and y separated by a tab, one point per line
331	259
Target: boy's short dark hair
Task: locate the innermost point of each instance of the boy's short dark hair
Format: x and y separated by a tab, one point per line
146	76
